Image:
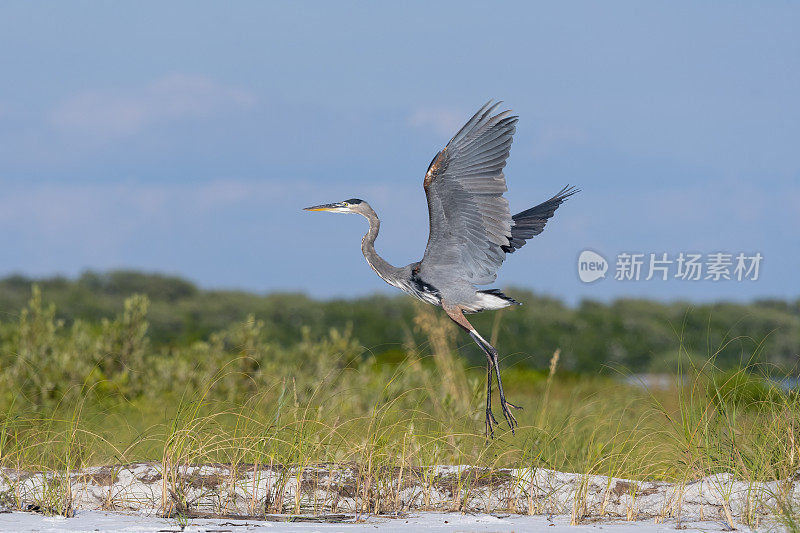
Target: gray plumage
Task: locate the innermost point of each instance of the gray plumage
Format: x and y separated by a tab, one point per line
471	230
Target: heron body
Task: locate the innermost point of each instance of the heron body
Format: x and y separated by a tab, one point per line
424	284
471	232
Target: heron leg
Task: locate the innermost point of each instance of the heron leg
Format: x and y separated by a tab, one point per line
491	421
456	313
504	404
491	354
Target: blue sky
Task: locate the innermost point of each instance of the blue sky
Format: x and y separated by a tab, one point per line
184	137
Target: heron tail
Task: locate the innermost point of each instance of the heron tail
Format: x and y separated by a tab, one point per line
491	299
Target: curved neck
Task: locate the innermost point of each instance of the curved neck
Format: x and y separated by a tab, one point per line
378	264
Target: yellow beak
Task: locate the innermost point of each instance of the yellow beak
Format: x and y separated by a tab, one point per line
326	207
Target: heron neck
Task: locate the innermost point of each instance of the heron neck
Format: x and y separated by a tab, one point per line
378	264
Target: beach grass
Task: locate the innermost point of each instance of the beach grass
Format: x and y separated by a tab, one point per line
238	399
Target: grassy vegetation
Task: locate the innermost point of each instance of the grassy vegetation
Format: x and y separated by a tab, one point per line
78	392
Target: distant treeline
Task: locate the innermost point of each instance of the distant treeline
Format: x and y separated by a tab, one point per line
634	335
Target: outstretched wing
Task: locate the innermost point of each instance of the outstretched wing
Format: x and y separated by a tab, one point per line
531	222
470	223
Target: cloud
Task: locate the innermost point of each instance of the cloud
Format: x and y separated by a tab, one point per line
444	121
64	227
56	211
65	208
105	114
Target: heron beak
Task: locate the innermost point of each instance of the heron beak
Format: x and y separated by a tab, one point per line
335	207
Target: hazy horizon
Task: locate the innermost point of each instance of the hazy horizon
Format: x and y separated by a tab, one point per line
512	290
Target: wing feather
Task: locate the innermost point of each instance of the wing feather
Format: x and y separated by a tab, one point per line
531	222
472	229
470	220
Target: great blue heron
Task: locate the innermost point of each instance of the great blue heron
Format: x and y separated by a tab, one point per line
471	231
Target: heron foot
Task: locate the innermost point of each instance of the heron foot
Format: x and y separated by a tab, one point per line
510	418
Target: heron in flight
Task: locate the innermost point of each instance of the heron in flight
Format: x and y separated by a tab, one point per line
471	231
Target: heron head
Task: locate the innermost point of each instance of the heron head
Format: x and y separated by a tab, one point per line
353	205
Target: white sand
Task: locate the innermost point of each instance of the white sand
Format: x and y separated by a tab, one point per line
104	521
212	490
